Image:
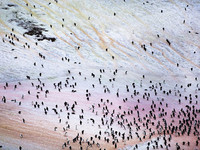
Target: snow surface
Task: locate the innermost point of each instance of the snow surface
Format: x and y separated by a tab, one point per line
97	29
89	36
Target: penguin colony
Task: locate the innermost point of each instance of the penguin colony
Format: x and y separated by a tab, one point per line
97	109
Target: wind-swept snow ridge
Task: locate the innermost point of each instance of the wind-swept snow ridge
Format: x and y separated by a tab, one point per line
128	34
